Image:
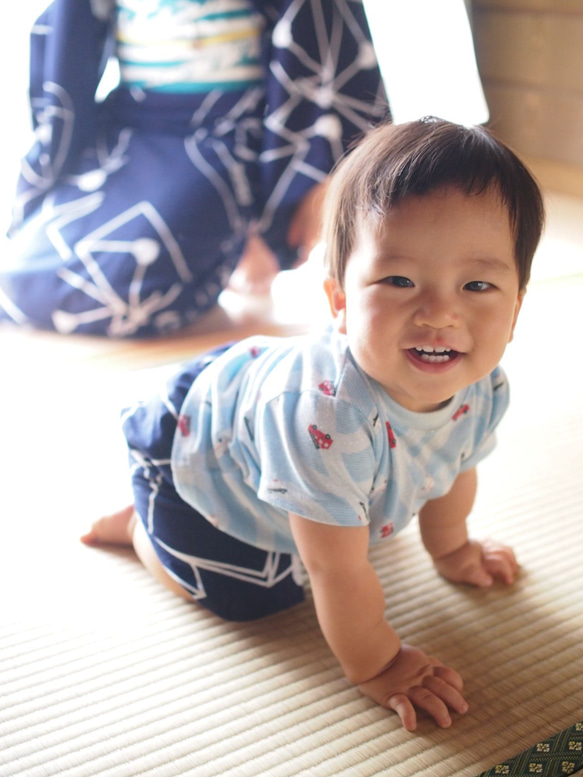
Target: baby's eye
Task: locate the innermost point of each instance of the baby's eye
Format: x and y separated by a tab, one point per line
399	281
478	286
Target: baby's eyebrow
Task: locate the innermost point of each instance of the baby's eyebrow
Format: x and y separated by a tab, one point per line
491	263
384	258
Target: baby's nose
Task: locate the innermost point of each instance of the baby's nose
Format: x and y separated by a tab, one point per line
437	310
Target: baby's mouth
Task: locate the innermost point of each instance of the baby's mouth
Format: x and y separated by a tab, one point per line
434	355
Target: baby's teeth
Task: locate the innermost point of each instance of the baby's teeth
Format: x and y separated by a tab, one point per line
434	355
431	349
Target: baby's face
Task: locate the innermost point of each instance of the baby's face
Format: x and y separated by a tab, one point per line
431	298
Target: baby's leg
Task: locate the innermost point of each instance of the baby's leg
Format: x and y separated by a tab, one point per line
125	528
147	555
114	529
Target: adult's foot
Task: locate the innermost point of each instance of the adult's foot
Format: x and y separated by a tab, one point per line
256	270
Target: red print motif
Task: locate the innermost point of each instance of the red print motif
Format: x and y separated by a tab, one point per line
254	351
327	387
319	439
392	438
462	410
184	425
387	530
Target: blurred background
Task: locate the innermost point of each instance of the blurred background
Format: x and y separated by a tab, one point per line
516	64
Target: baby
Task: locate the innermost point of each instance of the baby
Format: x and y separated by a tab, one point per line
321	446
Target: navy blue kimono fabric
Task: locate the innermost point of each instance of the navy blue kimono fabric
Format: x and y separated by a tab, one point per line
131	213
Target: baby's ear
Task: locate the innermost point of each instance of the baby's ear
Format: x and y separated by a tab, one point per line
517	307
337	302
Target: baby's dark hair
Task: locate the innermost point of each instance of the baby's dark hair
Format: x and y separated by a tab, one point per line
397	161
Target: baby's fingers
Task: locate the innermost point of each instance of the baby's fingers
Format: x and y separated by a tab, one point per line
404	709
500	562
449	675
423	698
447	693
435	696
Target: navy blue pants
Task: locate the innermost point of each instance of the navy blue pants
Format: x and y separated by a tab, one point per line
232	579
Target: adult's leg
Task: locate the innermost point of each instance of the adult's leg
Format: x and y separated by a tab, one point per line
141	237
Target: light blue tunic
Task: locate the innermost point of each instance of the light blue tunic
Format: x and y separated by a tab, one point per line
276	426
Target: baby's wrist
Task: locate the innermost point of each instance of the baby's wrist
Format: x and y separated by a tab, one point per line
364	674
450	552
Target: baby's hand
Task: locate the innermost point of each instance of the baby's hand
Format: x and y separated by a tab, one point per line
479	564
414	680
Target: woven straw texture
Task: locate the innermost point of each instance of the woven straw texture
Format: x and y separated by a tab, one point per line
102	672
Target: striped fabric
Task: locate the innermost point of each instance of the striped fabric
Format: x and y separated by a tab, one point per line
188	45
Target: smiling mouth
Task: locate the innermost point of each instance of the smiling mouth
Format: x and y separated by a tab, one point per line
431	355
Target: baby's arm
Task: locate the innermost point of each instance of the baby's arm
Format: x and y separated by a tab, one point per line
455	555
350	606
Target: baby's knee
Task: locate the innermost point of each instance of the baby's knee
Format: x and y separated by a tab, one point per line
147	555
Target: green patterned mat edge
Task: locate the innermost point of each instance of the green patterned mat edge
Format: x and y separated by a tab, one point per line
558	755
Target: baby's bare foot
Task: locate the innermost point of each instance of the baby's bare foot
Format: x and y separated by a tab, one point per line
115	529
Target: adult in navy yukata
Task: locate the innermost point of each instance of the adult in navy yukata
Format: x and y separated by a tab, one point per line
132	213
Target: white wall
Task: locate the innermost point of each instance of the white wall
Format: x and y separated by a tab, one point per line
426	53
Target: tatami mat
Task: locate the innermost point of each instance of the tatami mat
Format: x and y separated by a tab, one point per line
104	673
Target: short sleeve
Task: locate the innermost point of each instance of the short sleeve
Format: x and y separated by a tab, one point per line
493	400
317	458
